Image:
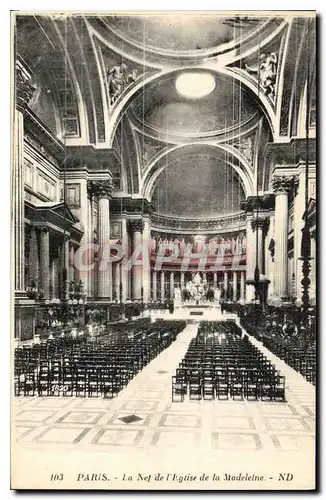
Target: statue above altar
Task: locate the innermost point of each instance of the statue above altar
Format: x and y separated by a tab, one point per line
217	295
197	287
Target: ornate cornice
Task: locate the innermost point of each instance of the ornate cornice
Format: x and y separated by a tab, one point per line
263	202
193	226
283	184
100	188
131	206
24	89
290	153
136	225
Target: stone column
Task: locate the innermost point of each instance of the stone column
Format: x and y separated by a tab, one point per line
250	257
56	273
259	224
215	280
102	189
33	257
171	284
125	249
312	288
146	258
117	274
154	277
66	254
162	286
71	262
24	92
269	256
242	286
235	285
282	186
136	228
298	224
182	281
226	283
88	238
45	261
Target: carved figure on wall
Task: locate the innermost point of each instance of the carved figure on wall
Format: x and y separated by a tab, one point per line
266	71
246	147
118	79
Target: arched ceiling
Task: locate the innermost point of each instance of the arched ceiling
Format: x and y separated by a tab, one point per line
198	185
177	33
164	112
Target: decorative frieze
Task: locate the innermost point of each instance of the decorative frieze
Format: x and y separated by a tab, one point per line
40	149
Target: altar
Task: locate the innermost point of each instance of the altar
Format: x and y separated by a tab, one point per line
197	306
198	292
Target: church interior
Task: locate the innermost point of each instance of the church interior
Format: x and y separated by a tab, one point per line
164	234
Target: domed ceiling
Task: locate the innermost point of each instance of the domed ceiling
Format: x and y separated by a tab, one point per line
198	185
163	109
177	32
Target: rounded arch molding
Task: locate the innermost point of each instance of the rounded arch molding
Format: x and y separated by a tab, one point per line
220	152
125	100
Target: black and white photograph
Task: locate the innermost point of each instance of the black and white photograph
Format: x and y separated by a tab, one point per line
163	239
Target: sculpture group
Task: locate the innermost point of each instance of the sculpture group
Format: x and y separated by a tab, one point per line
197	289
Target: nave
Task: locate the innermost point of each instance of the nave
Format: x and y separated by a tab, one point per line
164	172
143	426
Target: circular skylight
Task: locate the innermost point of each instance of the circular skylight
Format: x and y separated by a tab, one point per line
195	85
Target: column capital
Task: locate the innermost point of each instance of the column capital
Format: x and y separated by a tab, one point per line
24	88
136	225
260	223
283	184
101	188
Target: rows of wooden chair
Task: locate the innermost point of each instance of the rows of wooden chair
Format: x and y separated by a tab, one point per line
300	358
286	337
88	367
226	367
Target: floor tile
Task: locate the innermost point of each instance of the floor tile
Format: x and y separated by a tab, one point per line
232	422
169	420
62	435
295	424
175	439
34	416
226	441
294	442
117	437
80	417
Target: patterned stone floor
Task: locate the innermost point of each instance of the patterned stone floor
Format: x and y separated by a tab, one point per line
143	422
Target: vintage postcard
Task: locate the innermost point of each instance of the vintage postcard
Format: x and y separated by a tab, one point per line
164	250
